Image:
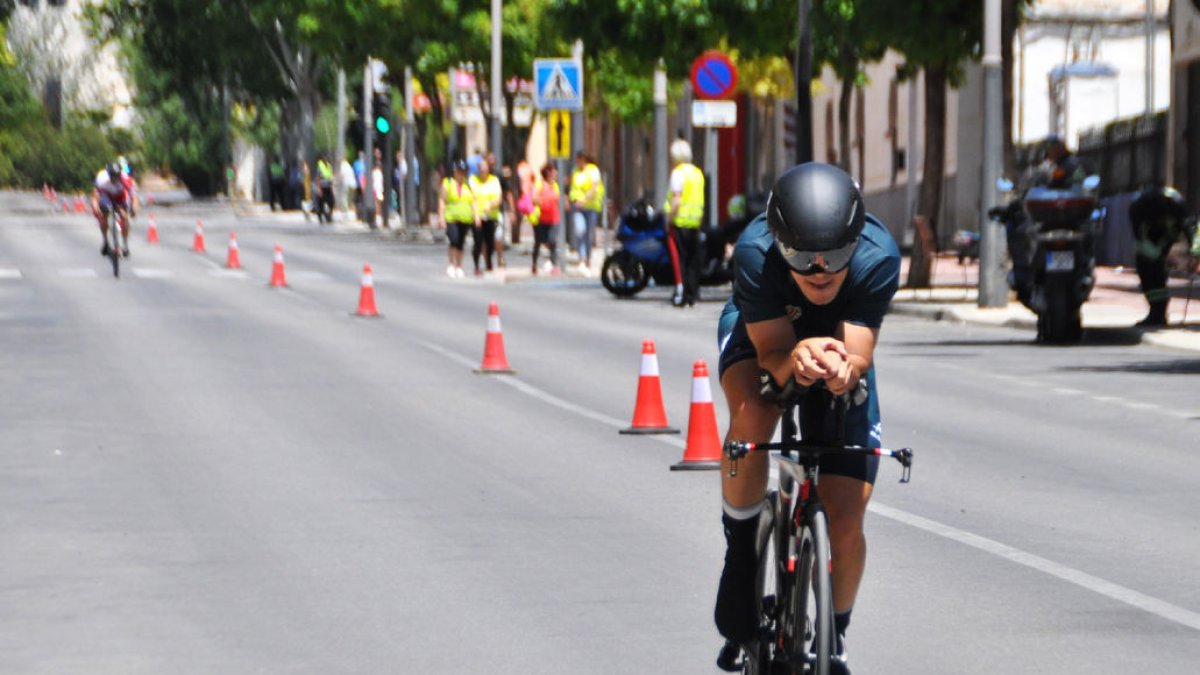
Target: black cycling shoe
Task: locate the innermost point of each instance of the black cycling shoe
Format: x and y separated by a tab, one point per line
125	252
736	612
728	659
104	249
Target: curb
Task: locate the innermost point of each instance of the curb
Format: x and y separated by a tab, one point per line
1181	339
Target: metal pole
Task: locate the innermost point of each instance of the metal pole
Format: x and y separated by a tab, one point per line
712	166
993	291
410	150
660	134
1149	58
913	151
804	141
497	93
340	152
368	190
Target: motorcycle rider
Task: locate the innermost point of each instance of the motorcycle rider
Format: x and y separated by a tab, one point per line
1160	217
815	276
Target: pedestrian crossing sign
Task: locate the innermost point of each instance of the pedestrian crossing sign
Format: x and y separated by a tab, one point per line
558	84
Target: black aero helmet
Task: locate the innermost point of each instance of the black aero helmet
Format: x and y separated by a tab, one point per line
113	169
816	213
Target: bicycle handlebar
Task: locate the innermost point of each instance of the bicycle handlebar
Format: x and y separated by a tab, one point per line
736	450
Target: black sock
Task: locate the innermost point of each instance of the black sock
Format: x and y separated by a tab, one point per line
841	621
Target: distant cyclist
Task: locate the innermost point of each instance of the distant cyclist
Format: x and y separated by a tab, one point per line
114	190
814	277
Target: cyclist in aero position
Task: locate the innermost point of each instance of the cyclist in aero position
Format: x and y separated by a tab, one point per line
114	190
814	277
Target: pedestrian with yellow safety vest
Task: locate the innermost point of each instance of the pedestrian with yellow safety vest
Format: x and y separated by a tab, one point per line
685	211
488	197
587	199
457	214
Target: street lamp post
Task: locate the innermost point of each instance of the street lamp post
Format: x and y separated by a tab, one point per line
993	291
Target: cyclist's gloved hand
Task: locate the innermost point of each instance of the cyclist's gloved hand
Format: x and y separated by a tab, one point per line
782	395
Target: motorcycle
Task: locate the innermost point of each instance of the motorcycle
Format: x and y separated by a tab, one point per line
1051	233
644	256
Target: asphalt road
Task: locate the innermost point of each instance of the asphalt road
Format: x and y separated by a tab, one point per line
201	474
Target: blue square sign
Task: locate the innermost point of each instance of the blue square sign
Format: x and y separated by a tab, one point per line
557	84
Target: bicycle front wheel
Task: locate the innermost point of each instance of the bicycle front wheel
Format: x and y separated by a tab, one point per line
114	248
811	612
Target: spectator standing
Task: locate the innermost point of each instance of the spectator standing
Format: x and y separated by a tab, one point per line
325	199
507	204
348	185
360	184
308	185
457	214
587	199
545	215
377	190
473	161
685	212
489	196
526	178
277	180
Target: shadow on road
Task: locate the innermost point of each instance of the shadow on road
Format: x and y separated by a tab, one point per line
1174	367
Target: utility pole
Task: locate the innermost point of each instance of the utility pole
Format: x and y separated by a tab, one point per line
804	141
410	192
340	151
368	190
993	291
497	93
660	134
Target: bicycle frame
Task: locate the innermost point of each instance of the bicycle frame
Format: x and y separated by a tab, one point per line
797	520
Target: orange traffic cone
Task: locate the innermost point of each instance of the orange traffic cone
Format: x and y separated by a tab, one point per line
649	416
703	449
494	360
66	204
152	231
366	296
232	261
80	204
198	239
149	199
277	276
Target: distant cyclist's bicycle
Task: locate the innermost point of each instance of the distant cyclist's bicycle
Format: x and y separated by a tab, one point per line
113	239
795	596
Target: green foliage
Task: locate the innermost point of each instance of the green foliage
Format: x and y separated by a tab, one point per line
33	152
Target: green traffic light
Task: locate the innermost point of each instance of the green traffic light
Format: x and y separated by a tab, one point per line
382	125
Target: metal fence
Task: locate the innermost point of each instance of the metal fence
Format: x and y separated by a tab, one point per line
1128	154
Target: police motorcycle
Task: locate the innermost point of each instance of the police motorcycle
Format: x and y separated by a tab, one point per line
1051	232
643	255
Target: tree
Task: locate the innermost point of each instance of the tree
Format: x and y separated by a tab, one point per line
907	27
846	39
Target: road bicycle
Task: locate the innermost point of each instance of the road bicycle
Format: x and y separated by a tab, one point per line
795	595
113	239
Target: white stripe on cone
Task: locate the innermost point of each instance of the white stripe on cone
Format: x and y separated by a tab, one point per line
367	281
701	390
493	323
649	365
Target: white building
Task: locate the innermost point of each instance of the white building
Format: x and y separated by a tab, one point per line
52	46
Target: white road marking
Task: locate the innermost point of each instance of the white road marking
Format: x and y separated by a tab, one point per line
151	273
307	275
78	273
1084	580
229	274
10	273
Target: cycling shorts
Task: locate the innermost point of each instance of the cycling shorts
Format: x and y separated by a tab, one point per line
108	201
863	424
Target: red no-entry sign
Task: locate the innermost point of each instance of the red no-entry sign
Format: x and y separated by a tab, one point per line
713	75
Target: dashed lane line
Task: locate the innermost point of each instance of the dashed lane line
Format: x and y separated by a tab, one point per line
9	273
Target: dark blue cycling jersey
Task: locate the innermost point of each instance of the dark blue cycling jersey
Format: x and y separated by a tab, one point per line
763	289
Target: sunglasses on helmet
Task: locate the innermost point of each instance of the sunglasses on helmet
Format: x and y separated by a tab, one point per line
806	263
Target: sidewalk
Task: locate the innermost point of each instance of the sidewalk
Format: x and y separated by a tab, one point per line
1115	306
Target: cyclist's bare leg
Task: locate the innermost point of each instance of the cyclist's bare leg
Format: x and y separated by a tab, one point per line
751	418
845	501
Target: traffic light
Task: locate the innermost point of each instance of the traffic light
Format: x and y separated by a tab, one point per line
382	104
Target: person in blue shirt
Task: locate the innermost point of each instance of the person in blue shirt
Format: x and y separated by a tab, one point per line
814	276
